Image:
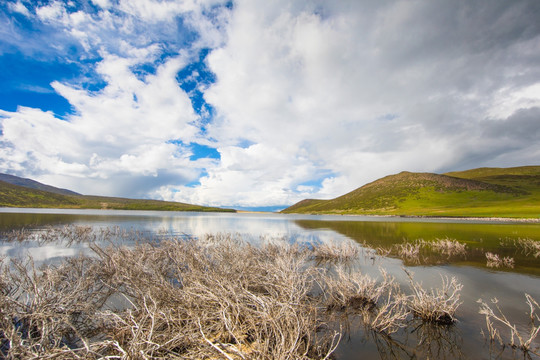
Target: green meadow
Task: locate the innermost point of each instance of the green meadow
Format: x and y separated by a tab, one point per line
485	192
19	196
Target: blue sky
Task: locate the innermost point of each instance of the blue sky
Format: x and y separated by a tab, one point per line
259	104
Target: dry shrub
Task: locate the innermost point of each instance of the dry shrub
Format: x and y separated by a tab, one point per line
50	310
448	247
351	290
494	260
71	234
409	251
214	298
336	252
529	246
437	305
389	315
381	305
524	340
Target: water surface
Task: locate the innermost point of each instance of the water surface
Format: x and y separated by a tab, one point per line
463	340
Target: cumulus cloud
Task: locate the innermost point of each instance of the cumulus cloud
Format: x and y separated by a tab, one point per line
367	89
309	98
127	138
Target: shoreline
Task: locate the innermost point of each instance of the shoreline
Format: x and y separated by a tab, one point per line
468	218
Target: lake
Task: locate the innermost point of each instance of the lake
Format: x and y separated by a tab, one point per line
379	239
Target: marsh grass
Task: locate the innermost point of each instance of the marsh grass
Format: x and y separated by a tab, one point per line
522	340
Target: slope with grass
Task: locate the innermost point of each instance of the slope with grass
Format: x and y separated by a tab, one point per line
20	196
486	192
29	183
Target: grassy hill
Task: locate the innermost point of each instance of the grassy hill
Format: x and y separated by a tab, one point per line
29	183
19	196
484	192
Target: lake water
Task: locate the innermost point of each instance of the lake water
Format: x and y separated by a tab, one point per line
507	283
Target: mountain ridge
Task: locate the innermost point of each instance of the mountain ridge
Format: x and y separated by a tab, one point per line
12	195
511	192
29	183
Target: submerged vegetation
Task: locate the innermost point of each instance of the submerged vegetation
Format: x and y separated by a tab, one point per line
218	297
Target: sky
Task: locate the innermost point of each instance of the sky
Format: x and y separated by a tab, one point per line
257	104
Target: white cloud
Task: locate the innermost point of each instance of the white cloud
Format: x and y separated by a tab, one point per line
119	139
311	99
363	90
19	7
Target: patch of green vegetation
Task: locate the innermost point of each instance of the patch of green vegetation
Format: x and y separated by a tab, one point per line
474	193
19	196
479	238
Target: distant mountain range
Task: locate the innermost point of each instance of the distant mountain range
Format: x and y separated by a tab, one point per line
21	192
483	192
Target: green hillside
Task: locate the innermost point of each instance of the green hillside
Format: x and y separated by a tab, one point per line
485	192
20	196
29	183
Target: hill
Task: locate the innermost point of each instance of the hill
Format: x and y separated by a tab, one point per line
485	192
20	196
32	184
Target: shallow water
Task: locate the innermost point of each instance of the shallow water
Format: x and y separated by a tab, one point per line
462	340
